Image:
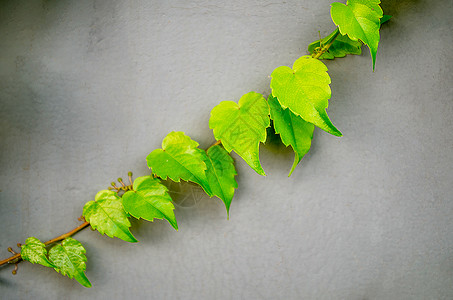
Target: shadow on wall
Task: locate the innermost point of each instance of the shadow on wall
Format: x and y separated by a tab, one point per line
395	8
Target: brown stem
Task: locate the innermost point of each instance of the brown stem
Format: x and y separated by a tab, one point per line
70	233
17	256
7	260
215	144
57	239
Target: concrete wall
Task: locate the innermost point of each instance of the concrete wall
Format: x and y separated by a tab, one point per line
89	88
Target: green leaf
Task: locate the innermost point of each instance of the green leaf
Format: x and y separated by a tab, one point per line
341	46
305	91
35	252
385	18
359	19
179	159
107	215
149	200
69	260
293	130
220	173
241	127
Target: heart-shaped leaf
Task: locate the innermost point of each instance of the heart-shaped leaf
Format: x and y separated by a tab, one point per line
242	126
35	252
179	159
149	200
305	90
69	260
359	19
107	215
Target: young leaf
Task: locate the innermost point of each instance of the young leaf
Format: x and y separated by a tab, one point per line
220	173
305	91
293	130
241	127
107	215
340	47
179	159
359	19
69	260
35	252
149	200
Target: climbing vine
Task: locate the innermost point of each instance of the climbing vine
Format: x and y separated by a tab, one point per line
296	106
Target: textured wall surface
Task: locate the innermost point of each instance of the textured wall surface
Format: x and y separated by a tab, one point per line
89	88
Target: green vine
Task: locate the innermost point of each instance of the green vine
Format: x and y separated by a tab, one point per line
297	104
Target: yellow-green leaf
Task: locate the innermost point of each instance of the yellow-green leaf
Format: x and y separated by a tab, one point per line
242	126
149	200
35	252
69	260
179	159
220	173
305	90
107	215
293	130
359	19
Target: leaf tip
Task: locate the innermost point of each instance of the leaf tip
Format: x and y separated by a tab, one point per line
132	239
295	163
256	167
173	223
334	131
228	211
83	280
385	18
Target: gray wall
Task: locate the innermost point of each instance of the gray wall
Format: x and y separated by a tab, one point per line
89	88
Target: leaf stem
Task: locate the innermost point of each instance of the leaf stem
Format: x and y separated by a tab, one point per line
57	239
329	43
17	256
215	144
7	260
70	233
